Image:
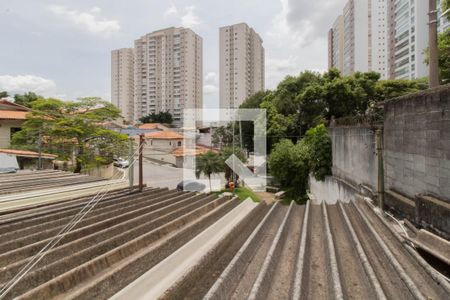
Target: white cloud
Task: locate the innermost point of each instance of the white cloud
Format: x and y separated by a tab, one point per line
297	37
210	89
27	83
303	21
172	11
95	10
190	19
186	16
211	78
211	82
88	21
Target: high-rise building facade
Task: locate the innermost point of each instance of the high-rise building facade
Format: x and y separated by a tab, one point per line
168	73
408	38
336	44
122	81
364	37
241	64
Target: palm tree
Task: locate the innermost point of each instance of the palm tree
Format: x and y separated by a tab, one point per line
208	163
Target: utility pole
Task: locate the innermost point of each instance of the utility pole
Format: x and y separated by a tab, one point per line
241	144
39	167
131	165
141	174
433	76
380	189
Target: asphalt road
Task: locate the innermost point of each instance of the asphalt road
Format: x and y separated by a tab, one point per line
162	176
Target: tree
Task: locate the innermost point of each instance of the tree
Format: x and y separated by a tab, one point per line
208	163
26	99
162	117
223	136
63	126
445	4
255	100
318	143
444	55
3	94
288	163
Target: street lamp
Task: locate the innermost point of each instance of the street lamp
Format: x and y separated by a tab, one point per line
433	76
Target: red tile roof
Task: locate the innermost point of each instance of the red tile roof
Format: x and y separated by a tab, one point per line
25	153
164	135
13	115
178	152
149	126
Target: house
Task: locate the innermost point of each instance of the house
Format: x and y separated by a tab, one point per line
184	157
160	144
29	159
12	117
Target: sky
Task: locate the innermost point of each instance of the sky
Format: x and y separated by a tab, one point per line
62	48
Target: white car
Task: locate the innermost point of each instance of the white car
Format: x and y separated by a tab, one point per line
121	163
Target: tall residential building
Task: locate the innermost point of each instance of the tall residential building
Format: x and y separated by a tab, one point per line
364	36
408	38
168	73
241	64
336	44
122	81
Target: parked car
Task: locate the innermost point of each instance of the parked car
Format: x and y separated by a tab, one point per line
191	186
121	163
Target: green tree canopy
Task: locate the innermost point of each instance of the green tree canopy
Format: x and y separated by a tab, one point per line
288	163
62	127
445	5
3	94
291	163
26	99
444	55
163	117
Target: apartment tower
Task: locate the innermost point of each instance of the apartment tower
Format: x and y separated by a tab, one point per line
408	38
241	64
122	82
336	44
168	73
365	31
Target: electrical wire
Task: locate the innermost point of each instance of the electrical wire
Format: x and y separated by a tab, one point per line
64	231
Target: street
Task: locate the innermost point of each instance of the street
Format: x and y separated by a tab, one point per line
156	175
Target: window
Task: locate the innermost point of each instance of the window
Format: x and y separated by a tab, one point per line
179	144
14	130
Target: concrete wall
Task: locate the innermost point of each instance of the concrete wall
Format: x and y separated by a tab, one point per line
5	131
417	144
416	160
354	157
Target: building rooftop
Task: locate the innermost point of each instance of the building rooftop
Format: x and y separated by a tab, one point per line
181	151
26	153
13	115
164	135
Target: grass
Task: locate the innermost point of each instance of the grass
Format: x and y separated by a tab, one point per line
243	193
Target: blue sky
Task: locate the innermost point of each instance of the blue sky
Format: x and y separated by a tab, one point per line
62	48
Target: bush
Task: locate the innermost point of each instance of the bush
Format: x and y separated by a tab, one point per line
289	165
